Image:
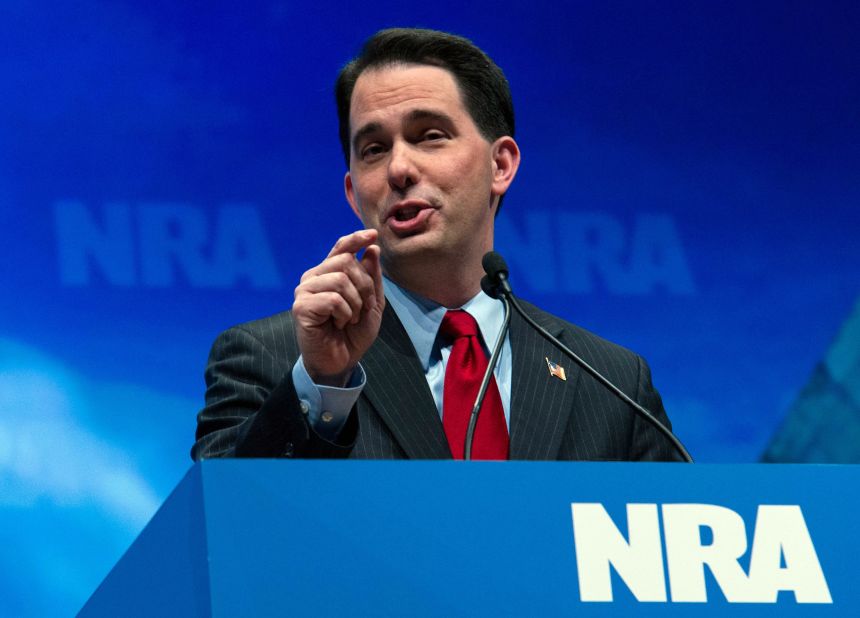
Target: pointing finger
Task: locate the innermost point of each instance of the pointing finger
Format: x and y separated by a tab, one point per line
353	243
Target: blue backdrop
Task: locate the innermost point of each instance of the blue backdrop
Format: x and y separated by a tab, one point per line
170	169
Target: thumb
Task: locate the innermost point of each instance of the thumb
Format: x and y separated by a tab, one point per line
372	264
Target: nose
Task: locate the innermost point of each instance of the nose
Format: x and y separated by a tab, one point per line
402	170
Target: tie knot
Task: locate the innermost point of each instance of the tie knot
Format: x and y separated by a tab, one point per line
458	323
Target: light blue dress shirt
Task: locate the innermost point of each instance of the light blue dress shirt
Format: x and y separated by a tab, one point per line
328	407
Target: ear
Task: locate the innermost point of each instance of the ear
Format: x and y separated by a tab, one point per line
506	162
350	195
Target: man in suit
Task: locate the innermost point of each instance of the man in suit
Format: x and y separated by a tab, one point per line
381	354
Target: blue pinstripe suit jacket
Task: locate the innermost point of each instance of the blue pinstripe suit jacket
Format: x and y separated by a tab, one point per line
252	409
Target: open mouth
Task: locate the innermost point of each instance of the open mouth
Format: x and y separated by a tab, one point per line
409	218
405	214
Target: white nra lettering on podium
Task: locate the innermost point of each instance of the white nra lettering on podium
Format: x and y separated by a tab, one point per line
782	557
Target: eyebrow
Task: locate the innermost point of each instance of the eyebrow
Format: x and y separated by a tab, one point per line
425	114
416	114
370	127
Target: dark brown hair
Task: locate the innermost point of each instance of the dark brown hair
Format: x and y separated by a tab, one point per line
483	87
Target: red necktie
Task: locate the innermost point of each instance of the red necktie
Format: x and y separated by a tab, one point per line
463	375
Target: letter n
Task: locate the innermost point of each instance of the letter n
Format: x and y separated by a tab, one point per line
638	560
82	242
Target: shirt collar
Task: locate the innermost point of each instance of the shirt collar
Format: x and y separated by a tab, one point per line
421	317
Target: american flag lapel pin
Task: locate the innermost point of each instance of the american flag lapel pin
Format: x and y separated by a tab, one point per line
556	371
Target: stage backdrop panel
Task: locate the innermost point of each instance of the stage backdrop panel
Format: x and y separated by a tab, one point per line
689	189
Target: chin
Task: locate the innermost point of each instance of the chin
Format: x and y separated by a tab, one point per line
416	247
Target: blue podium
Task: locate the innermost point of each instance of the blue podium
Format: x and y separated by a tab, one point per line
421	538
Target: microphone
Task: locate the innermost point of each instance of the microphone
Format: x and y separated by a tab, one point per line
491	365
497	281
497	275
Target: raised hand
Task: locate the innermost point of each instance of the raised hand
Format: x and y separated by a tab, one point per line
338	308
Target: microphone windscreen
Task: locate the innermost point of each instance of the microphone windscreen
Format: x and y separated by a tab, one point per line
494	264
488	287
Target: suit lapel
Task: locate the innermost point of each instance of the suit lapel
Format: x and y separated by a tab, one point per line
540	403
398	391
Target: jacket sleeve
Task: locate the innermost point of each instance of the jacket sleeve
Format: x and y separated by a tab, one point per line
648	443
252	409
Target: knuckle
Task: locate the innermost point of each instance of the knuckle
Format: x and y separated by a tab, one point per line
342	241
367	282
329	299
345	259
341	280
310	273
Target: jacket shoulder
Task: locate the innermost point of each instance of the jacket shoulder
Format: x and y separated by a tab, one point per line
274	334
587	344
263	326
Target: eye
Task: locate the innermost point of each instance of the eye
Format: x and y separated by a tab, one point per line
372	150
433	134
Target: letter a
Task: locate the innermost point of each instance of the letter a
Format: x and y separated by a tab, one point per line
780	531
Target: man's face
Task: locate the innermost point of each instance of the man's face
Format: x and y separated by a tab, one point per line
420	171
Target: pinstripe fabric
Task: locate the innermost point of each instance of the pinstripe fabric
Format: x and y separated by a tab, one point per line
398	392
252	408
